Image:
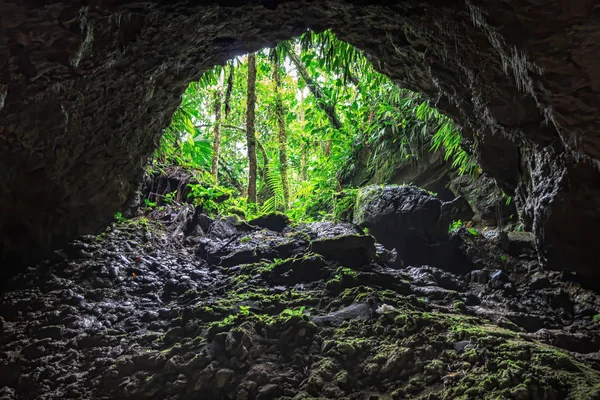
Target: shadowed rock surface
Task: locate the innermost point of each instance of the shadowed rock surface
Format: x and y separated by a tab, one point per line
414	223
85	91
140	312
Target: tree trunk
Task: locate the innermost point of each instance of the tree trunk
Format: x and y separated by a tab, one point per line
250	133
304	159
315	89
217	128
282	137
264	172
229	89
304	171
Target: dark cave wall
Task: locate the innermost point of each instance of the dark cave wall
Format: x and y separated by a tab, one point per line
85	91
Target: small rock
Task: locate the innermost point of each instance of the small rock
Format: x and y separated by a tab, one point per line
509	289
384	308
268	391
223	377
521	394
354	311
462	346
498	279
478	276
539	281
242	394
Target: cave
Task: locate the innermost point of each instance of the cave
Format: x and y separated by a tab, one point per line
86	91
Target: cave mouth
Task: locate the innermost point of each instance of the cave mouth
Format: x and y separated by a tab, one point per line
86	91
323	124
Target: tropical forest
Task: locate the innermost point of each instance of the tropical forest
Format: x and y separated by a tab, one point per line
297	128
260	200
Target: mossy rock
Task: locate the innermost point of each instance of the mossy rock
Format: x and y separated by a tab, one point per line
348	250
275	221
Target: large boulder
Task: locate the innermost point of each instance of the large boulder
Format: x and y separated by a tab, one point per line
490	205
414	222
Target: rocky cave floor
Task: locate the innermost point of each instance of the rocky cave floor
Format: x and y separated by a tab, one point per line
180	306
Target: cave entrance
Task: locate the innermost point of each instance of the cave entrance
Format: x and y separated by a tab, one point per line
85	93
323	123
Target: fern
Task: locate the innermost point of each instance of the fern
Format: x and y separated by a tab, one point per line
275	186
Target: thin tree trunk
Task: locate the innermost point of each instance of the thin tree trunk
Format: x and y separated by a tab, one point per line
265	168
250	133
229	89
304	159
282	137
315	89
217	128
304	171
226	171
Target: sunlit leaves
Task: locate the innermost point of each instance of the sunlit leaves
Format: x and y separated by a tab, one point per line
372	111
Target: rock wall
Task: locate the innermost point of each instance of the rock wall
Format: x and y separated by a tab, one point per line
85	91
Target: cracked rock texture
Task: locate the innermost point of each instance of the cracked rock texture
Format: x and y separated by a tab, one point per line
234	311
85	91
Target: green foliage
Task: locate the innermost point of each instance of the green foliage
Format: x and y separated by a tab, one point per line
275	187
456	225
119	217
289	313
334	103
209	197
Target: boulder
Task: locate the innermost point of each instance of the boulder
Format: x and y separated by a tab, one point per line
273	221
348	250
414	222
485	198
298	270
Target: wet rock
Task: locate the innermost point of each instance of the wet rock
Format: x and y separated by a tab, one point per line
241	256
272	221
521	394
326	229
579	342
299	269
457	209
485	198
268	391
228	227
478	276
462	346
65	336
205	378
411	221
349	250
498	279
539	281
223	377
521	243
386	256
52	332
360	310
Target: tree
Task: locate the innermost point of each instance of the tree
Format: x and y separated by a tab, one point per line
217	128
250	131
315	89
282	137
304	142
325	95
